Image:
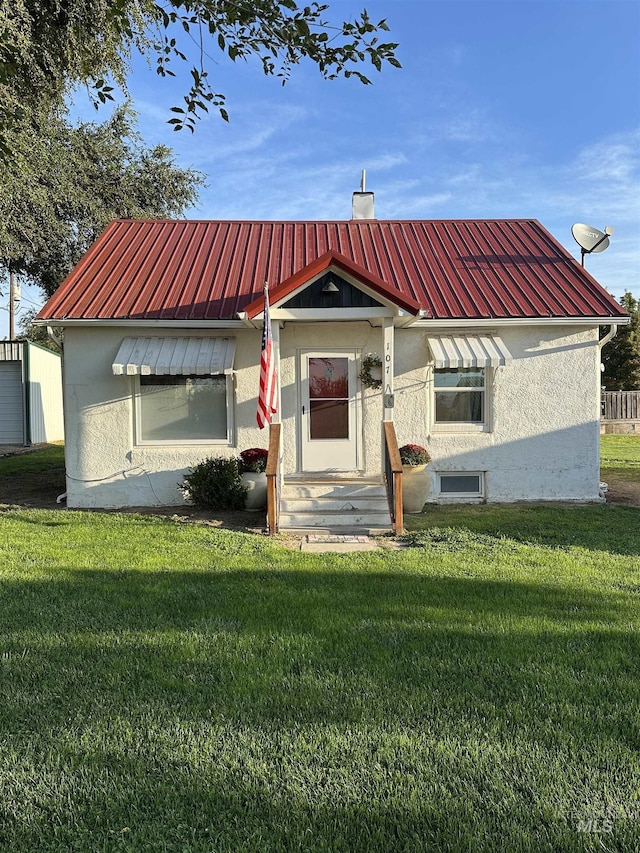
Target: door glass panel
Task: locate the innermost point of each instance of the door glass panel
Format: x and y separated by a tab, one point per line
328	378
329	419
328	398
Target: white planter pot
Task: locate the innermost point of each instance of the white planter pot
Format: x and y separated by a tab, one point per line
256	491
415	487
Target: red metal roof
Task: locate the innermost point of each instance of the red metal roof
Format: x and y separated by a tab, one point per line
210	270
320	265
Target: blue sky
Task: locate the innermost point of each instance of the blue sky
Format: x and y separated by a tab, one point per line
508	108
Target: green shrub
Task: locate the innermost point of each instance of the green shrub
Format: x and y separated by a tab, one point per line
215	483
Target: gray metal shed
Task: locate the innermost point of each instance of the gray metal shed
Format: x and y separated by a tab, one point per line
30	394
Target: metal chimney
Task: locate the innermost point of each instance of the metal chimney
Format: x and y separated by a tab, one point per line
362	204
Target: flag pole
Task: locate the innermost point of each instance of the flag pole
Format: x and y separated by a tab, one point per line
268	390
275	337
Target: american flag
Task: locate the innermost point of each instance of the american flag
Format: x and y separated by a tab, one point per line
267	399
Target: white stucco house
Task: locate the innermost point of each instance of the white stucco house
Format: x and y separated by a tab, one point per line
488	333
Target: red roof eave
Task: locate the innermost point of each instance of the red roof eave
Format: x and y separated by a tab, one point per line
320	265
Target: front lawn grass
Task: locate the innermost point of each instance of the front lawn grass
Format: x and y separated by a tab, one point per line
174	687
42	459
620	457
619	450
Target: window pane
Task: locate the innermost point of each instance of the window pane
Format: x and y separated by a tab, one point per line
456	407
329	419
184	408
459	377
328	377
460	483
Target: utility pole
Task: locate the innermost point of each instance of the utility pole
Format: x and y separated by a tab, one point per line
12	310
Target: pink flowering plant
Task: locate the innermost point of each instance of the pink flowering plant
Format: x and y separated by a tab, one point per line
414	454
253	460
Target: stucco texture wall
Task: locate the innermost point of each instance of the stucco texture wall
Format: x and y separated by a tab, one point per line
105	465
542	436
541	442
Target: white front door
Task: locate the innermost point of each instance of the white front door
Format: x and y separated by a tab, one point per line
328	415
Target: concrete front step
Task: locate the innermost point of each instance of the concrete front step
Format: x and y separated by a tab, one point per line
310	488
333	508
351	520
356	504
335	503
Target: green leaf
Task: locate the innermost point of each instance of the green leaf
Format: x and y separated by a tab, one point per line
43	56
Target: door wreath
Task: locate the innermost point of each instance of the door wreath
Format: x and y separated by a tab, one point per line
371	371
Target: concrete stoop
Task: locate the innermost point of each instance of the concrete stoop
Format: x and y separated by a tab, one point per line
334	504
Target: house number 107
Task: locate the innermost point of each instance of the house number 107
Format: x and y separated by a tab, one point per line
388	378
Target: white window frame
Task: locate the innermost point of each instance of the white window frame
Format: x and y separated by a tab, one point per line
456	495
463	426
188	442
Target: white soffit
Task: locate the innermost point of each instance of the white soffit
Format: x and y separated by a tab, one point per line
174	356
468	350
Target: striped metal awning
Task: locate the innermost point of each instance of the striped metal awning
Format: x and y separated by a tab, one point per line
174	356
468	351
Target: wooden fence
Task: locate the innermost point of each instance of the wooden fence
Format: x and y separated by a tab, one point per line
620	405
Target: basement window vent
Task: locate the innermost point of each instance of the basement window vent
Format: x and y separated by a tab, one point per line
461	484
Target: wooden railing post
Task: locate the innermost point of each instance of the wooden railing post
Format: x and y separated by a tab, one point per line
272	472
393	476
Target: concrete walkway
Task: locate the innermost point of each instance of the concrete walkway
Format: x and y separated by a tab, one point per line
331	542
339	544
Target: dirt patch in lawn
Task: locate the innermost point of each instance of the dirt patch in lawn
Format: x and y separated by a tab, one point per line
622	490
39	490
33	489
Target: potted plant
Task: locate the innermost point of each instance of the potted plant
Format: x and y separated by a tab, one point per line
415	480
253	463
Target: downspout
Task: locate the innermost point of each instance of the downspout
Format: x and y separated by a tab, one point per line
603	488
58	342
27	393
54	337
610	334
602	343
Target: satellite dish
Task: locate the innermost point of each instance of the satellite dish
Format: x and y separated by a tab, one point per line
591	239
